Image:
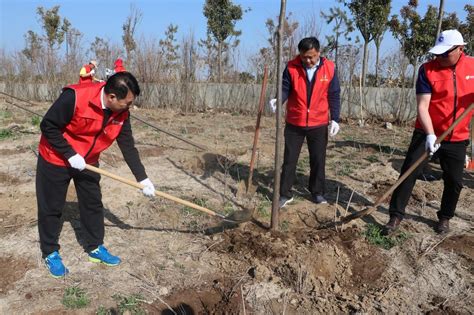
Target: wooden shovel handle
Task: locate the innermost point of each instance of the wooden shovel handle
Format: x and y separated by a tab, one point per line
158	193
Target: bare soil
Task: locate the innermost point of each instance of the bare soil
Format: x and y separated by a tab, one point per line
186	262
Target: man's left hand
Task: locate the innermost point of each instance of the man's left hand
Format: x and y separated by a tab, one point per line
148	189
333	128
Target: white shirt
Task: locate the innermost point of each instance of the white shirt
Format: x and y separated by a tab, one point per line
310	71
102	101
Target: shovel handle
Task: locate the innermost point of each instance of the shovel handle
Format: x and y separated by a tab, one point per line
407	172
157	192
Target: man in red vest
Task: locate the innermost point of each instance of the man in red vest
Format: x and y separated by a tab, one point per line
311	88
84	121
118	65
444	89
87	73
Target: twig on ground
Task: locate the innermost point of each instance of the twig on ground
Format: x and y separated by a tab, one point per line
335	208
228	296
285	302
208	248
430	248
33	150
147	287
243	300
19	224
347	208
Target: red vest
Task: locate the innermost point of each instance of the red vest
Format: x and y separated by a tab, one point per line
298	111
84	132
86	79
118	66
452	91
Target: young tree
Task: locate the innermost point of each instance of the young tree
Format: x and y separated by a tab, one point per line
221	18
105	51
53	27
189	58
209	56
267	55
34	44
74	53
128	28
416	34
169	52
45	58
467	29
365	14
342	27
379	29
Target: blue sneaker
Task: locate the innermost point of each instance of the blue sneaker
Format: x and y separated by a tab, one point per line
102	255
55	265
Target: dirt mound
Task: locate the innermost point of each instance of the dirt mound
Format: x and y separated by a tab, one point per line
460	244
310	263
221	296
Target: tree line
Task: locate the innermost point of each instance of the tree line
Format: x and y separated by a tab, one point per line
55	55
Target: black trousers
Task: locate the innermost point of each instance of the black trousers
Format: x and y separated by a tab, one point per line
317	140
51	188
452	158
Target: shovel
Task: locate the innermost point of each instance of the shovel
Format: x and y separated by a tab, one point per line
410	170
257	130
236	217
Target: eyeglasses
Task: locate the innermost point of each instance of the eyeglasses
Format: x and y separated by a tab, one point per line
446	53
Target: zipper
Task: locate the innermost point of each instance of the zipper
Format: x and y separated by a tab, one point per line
98	134
308	100
310	86
455	101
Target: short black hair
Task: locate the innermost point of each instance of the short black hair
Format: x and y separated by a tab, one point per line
308	43
120	83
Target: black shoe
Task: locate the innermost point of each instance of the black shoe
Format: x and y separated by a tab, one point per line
319	199
285	200
391	226
442	227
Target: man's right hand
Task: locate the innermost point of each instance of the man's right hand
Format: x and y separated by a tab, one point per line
430	144
272	105
77	161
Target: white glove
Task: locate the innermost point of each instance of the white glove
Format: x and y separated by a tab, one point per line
272	104
92	72
333	128
77	161
149	189
430	144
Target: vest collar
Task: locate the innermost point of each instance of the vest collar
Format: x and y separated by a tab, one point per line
96	99
297	62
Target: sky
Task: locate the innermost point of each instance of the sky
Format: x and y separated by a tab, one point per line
104	18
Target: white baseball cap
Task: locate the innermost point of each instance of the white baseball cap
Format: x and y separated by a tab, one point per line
447	40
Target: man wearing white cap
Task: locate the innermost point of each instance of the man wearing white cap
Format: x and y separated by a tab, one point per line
444	90
87	73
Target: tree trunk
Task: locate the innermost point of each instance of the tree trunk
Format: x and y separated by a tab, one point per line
377	61
440	18
219	62
337	46
279	132
364	62
415	65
